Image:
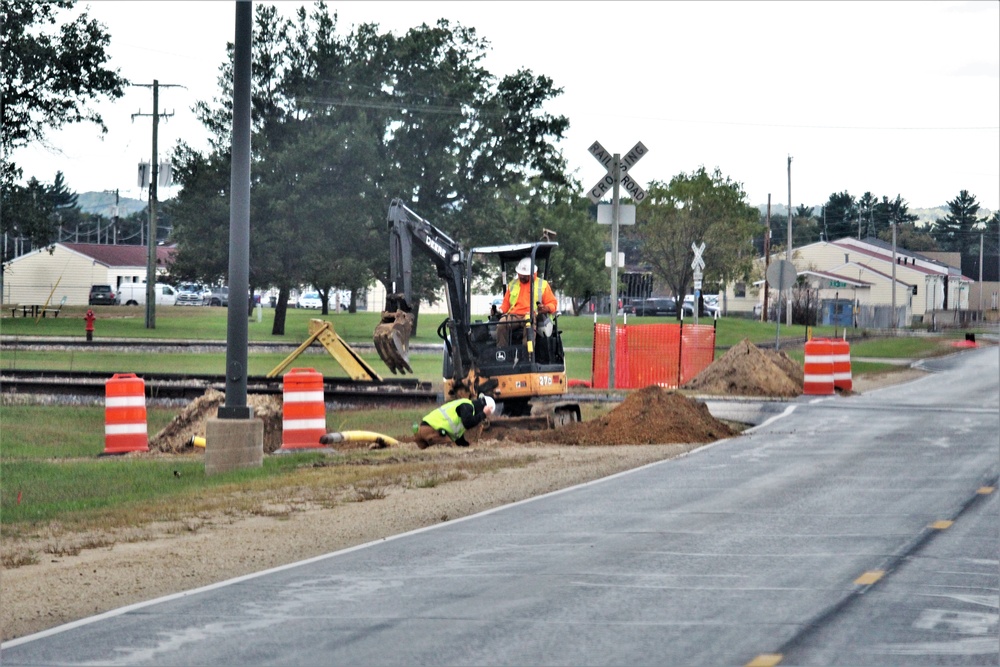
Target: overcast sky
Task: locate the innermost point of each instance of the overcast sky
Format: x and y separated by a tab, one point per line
888	97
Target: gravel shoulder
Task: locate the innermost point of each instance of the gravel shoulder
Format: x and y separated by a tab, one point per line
70	584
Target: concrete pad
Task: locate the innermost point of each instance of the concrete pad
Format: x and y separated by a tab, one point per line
233	443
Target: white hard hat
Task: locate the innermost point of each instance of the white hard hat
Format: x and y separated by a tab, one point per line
490	403
524	267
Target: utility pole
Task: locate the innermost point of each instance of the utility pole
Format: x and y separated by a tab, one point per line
892	221
767	256
114	219
108	238
788	250
151	237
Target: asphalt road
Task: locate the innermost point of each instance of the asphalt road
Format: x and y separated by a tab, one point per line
854	530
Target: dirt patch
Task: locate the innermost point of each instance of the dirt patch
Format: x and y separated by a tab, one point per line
175	437
747	370
648	416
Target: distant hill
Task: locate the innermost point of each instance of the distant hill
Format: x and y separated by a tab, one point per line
925	216
102	203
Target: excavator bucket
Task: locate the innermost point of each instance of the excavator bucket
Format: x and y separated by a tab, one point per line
392	340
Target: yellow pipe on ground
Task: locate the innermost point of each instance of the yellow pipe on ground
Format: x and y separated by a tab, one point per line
358	436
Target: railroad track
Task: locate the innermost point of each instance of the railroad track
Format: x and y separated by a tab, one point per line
190	386
177	386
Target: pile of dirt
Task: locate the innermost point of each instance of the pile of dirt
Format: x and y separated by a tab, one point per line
747	370
648	416
176	436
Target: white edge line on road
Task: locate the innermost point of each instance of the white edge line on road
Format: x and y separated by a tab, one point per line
787	411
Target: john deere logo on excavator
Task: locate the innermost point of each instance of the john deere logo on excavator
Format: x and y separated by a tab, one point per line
433	245
501	355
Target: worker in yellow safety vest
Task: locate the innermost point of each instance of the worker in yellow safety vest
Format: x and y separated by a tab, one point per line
449	422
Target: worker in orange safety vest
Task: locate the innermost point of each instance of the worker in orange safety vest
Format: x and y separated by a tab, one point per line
516	305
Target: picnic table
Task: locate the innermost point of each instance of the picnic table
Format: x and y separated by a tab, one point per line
35	310
25	310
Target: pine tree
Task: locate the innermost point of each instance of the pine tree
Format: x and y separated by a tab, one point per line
956	232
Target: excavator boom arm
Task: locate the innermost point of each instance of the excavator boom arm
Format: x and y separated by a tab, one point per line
407	231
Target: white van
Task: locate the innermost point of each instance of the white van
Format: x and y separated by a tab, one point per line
134	294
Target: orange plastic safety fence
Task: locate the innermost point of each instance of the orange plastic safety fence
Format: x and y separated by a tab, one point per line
667	355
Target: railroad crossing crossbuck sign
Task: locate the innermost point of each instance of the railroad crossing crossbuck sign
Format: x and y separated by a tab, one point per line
698	264
626	162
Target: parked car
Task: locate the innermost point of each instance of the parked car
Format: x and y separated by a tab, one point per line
192	294
660	307
219	297
707	308
102	295
134	294
309	300
656	307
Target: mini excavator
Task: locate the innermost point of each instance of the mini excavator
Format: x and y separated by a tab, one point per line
527	377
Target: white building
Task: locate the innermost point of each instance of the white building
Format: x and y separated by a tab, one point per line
69	271
850	274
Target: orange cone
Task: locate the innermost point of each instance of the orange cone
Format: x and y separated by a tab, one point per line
125	414
841	351
818	368
303	414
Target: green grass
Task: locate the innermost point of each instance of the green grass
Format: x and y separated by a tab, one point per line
888	348
47	432
901	348
72	490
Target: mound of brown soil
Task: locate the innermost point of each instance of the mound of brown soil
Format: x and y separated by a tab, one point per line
175	437
648	416
746	370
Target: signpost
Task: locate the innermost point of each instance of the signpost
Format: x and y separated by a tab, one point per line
698	265
781	276
617	167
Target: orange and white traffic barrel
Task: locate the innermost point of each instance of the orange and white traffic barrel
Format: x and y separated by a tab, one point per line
841	351
303	414
125	414
818	368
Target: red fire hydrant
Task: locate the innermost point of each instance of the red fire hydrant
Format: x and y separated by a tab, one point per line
89	319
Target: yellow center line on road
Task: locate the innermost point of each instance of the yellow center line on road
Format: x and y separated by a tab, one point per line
984	490
869	577
942	525
765	660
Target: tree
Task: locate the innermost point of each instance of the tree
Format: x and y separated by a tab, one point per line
202	211
866	215
991	231
697	208
911	238
957	232
888	213
379	116
48	79
29	213
841	214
